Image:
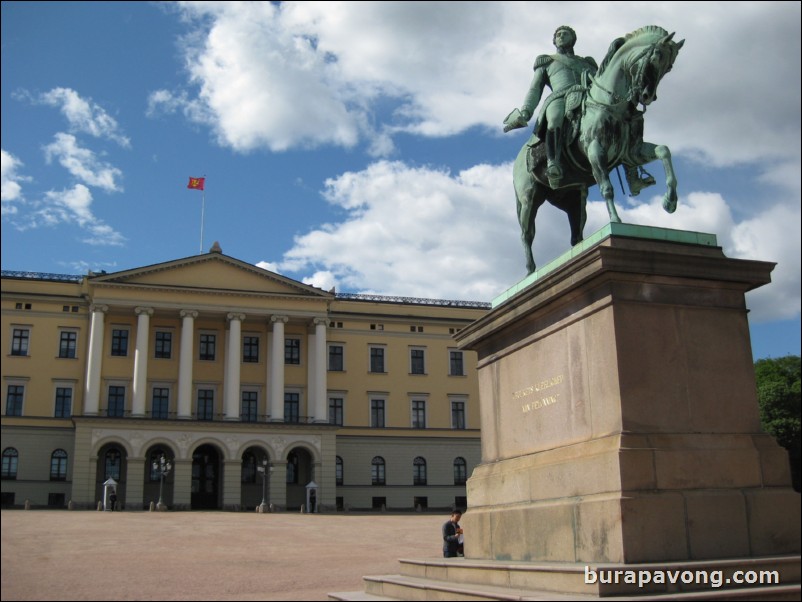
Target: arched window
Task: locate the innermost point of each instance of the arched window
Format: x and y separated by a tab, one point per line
460	471
10	459
248	467
113	465
377	476
419	471
338	471
58	465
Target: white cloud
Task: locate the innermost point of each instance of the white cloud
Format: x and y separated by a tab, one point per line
310	73
83	115
83	163
70	206
10	187
424	232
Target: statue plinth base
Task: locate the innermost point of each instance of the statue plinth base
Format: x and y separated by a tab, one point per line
619	415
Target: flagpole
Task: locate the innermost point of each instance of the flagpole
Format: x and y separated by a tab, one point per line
203	209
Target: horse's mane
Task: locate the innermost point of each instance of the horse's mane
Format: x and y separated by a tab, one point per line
618	42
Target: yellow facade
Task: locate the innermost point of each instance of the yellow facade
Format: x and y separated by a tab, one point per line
231	371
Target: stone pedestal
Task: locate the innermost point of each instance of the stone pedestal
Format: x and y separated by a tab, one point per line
619	414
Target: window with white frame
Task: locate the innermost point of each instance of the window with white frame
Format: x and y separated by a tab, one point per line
458	414
377	359
119	342
336	411
20	340
418	407
377	412
68	344
63	402
456	363
163	345
417	360
15	396
336	357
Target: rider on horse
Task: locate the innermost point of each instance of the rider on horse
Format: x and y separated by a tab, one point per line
565	73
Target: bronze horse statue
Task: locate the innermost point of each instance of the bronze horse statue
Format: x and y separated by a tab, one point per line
605	131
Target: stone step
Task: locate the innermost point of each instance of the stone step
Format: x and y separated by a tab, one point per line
570	578
400	587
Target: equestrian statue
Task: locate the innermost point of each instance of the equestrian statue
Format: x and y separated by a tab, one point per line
589	125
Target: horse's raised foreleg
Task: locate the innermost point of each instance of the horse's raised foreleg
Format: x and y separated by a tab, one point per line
598	163
648	152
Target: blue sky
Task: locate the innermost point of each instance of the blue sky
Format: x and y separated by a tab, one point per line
359	145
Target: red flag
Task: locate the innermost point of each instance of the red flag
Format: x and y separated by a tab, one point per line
196	183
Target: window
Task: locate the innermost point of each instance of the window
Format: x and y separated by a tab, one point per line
116	405
14	398
292	403
67	344
457	414
416	361
113	465
377	476
160	406
460	471
336	363
208	343
336	411
456	366
119	342
292	351
20	337
63	402
377	359
418	414
58	465
419	471
249	406
10	461
338	471
163	345
205	404
377	413
250	349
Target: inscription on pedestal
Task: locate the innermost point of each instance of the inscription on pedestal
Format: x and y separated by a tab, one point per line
541	400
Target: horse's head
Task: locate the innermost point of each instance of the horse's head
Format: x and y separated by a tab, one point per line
649	67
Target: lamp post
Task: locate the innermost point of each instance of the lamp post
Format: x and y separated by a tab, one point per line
265	475
163	466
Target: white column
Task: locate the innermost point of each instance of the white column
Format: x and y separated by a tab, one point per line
321	391
186	359
141	360
277	370
94	365
232	395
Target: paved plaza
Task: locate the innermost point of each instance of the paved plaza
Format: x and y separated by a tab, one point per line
87	555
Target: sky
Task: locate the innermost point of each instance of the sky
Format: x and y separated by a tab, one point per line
360	145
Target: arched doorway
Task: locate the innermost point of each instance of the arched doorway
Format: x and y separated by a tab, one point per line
112	463
299	473
252	477
205	478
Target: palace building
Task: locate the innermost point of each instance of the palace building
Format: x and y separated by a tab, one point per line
230	372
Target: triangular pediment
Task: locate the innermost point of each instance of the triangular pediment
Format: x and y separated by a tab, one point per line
211	272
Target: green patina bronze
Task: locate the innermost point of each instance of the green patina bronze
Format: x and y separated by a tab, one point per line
589	125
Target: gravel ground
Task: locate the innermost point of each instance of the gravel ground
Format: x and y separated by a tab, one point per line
86	555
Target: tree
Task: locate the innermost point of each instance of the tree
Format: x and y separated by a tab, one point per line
778	393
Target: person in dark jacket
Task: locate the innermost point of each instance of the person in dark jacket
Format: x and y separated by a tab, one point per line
452	536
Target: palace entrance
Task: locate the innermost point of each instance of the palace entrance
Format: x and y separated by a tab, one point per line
205	478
